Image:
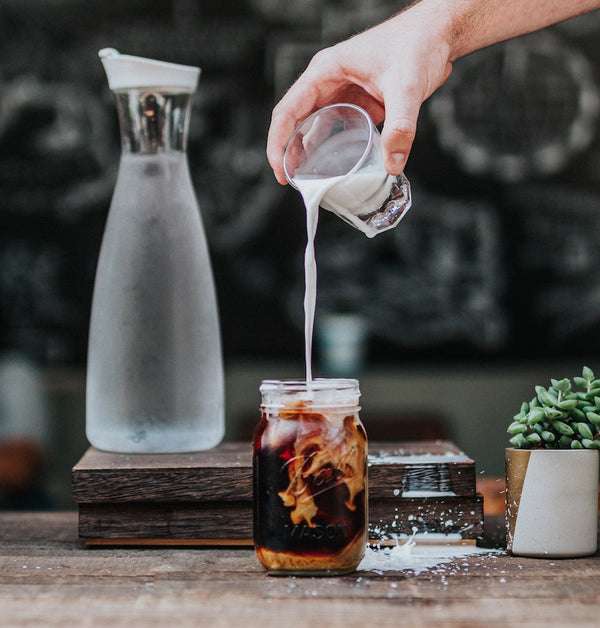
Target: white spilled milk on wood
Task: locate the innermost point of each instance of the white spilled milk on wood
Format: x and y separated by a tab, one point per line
418	556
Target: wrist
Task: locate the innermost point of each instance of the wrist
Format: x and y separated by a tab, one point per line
435	23
460	24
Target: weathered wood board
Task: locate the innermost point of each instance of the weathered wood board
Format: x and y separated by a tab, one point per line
206	497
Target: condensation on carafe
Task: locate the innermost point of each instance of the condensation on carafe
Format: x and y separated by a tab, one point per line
155	374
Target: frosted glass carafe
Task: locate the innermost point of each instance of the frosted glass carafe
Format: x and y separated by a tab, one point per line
155	374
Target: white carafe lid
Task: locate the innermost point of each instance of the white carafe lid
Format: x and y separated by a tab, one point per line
129	72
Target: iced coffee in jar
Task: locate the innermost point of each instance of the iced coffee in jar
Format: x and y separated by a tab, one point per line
310	478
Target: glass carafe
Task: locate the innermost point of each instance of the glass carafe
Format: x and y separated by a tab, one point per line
155	375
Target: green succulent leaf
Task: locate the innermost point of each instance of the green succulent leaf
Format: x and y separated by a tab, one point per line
593	417
581	381
536	415
519	441
524	408
534	438
565	442
548	437
546	397
563	385
567	404
588	444
563	428
516	428
575	444
555	413
587	373
585	431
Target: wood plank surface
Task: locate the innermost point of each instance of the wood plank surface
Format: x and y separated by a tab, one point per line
233	520
225	473
48	578
213	520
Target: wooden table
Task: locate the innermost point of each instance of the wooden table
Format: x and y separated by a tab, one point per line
48	578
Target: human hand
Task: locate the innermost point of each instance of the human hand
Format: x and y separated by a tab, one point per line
388	70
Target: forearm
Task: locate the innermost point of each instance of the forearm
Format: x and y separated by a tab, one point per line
468	25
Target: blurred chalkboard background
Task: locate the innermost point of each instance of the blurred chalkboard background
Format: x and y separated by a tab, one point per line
489	282
498	258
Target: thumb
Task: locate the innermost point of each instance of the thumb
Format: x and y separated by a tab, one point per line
399	130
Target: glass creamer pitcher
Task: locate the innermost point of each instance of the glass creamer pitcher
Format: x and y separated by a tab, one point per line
155	375
334	158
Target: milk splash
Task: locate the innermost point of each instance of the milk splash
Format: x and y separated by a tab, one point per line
418	557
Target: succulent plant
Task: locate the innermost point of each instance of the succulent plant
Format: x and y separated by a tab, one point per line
561	416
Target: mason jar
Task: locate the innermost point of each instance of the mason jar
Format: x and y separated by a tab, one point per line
310	478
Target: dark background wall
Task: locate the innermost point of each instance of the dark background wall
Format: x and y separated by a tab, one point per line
498	259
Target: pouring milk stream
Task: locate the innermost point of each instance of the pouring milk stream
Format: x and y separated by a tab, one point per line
334	160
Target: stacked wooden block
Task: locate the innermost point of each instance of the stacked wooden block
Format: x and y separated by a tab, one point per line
205	498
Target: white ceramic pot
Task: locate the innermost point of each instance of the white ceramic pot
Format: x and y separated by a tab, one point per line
552	502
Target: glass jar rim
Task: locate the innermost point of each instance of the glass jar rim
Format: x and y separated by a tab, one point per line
319	383
320	392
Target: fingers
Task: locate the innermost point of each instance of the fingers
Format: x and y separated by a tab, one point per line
397	138
282	126
400	126
325	81
295	106
403	100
